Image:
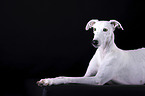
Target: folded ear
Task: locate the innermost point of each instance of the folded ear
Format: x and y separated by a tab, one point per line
115	24
90	24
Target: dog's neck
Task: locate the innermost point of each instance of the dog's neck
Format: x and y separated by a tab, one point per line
107	46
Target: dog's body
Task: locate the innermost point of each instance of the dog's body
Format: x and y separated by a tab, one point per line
109	62
128	67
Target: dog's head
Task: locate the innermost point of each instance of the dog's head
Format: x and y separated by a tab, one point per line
103	30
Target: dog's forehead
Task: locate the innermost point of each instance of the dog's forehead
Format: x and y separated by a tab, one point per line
102	24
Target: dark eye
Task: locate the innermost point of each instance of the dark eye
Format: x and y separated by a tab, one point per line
94	29
105	29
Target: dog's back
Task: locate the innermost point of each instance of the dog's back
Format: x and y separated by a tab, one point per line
138	56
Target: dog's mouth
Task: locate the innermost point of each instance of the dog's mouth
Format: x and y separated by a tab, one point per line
95	43
96	46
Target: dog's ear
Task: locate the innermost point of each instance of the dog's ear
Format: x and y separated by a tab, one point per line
90	24
115	24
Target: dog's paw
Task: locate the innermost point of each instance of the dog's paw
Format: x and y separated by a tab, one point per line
45	82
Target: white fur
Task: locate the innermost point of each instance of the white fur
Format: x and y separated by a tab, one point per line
109	63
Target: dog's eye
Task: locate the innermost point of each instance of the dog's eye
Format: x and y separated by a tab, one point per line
94	29
105	29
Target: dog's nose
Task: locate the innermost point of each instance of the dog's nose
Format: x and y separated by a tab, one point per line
95	42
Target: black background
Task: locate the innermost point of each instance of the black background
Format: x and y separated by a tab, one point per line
47	38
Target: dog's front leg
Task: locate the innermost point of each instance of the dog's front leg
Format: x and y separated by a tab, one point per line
93	67
106	71
65	80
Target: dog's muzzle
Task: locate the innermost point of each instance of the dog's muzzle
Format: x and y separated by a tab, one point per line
95	43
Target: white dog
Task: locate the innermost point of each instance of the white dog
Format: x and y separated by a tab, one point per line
109	62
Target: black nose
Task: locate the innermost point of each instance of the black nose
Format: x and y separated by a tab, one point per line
95	42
